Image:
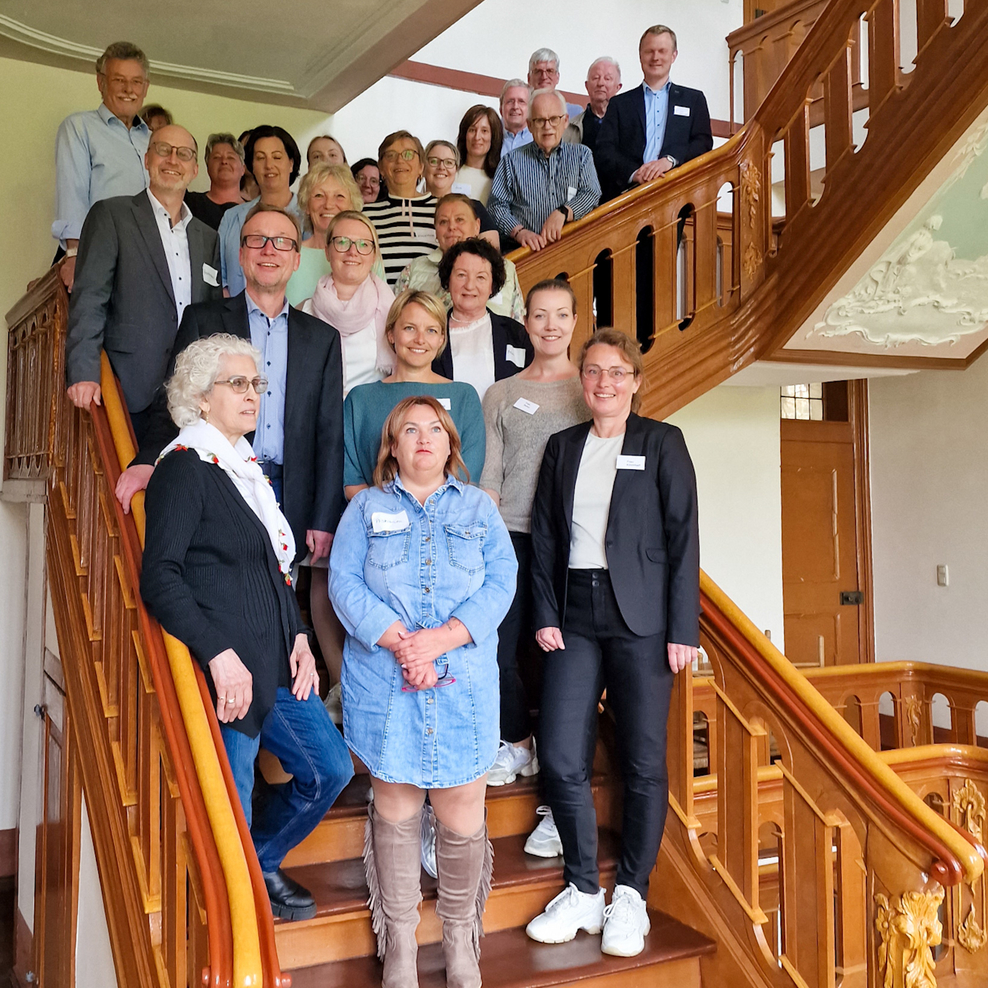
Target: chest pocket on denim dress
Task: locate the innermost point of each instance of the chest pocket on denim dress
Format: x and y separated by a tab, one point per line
386	550
466	546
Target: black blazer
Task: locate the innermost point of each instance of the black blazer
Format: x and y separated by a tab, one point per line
652	542
122	299
505	332
211	578
312	484
620	149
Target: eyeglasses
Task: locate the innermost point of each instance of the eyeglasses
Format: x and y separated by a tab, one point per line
616	374
552	121
163	150
257	241
342	244
445	679
405	155
241	384
444	162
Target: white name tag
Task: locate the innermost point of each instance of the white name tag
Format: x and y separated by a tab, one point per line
445	403
630	462
460	188
429	235
681	111
384	522
571	191
515	355
210	275
527	406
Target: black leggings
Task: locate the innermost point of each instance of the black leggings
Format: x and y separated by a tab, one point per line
516	629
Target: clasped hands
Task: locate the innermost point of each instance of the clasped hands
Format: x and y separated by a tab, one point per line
551	231
417	651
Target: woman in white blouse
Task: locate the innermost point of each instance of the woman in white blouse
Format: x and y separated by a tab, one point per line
479	146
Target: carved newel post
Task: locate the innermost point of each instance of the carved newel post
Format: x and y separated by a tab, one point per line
909	929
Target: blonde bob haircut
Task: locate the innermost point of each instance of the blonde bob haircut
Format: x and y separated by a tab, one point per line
428	301
196	370
630	351
318	174
387	466
353	214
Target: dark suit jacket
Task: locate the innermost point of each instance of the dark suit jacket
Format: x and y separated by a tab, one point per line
620	149
122	300
313	461
505	332
211	578
652	542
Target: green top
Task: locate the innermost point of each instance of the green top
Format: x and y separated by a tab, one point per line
368	405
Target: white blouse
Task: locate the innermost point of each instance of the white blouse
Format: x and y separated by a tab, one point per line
592	501
472	349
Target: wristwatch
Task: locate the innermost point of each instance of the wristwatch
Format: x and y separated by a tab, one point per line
672	161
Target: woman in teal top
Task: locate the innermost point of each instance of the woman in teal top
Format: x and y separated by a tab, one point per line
416	331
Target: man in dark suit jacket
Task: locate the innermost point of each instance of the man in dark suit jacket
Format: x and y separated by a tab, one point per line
142	260
305	464
654	127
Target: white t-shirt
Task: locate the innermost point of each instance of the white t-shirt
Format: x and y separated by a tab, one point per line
592	501
360	358
472	349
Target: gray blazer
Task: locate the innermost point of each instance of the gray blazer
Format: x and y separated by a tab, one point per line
122	299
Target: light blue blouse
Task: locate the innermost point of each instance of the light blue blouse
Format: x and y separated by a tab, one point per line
394	559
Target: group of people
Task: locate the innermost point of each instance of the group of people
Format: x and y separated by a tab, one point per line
348	380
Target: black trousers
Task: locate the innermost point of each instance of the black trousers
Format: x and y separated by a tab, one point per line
602	651
515	629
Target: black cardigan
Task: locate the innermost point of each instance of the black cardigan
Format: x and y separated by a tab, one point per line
211	578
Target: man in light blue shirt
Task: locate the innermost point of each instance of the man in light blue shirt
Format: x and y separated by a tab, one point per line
270	336
100	153
515	95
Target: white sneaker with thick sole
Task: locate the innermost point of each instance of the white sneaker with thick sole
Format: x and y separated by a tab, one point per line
429	842
625	923
511	761
543	841
567	914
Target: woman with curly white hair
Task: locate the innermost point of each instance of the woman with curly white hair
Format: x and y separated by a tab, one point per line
217	575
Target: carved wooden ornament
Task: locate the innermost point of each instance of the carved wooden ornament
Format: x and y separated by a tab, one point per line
913	709
970	935
909	928
969	805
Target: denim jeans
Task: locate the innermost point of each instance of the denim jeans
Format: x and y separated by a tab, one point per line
301	735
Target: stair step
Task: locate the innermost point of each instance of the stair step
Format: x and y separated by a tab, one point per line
510	960
341	929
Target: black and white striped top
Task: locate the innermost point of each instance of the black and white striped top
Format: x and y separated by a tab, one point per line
406	229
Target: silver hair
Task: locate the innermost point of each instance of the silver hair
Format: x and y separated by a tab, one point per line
124	51
607	60
196	369
543	55
215	139
516	84
548	92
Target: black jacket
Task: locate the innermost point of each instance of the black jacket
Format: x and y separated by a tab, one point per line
313	461
652	542
211	578
620	148
505	332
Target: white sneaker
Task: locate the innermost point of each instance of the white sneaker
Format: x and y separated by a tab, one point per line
625	923
567	914
512	760
544	840
334	704
429	842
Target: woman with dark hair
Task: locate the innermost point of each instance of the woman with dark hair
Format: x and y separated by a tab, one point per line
422	572
368	177
483	346
479	145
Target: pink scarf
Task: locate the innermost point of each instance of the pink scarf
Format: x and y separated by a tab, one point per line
370	303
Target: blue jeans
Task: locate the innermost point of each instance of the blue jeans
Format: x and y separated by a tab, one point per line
301	735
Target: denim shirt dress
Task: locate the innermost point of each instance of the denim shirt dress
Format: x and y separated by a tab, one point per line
395	559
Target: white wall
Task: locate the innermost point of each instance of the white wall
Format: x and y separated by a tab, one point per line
733	437
94	957
13	600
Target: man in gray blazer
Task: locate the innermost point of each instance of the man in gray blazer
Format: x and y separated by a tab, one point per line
142	260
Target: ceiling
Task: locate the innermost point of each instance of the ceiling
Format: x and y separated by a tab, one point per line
320	57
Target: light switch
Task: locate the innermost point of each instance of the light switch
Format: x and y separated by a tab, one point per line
942	577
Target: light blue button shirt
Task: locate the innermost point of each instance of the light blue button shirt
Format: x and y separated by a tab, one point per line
96	157
512	141
270	336
394	559
229	234
656	115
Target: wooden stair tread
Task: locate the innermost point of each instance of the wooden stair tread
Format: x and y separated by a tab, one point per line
509	959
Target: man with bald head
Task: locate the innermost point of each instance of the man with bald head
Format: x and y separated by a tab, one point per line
142	260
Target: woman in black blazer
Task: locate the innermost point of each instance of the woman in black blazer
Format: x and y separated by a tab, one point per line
483	347
216	574
616	582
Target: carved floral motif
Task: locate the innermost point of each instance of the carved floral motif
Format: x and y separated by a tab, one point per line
970	935
909	928
751	261
969	804
751	189
912	707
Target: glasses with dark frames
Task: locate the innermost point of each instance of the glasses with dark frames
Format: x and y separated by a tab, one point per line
257	241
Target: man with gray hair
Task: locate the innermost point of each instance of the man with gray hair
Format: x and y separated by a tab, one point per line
225	166
603	82
543	185
100	153
515	96
543	73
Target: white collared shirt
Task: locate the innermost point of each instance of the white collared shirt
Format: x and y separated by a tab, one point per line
175	240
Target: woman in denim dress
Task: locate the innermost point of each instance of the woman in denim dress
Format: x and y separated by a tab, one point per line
422	573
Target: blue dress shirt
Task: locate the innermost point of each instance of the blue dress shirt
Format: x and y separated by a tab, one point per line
656	114
270	336
511	141
229	234
96	157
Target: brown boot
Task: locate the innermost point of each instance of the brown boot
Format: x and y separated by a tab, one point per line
465	867
391	861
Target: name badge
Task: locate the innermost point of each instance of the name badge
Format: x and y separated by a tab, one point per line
571	191
384	522
426	234
526	406
210	275
681	111
460	188
630	462
445	403
515	355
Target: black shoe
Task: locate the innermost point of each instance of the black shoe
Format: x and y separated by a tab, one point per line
289	900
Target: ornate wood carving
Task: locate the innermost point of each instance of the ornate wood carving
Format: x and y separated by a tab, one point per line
909	929
969	805
751	188
912	708
970	935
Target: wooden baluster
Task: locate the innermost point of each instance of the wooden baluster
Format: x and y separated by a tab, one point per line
797	161
680	743
838	108
705	257
664	270
174	866
931	15
852	909
624	289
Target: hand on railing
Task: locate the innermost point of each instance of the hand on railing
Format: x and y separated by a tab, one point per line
681	656
130	482
83	393
651	170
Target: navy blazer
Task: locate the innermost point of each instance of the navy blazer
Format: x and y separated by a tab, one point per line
312	495
505	332
652	543
620	149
